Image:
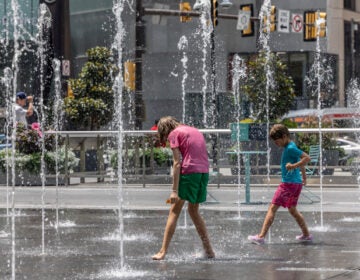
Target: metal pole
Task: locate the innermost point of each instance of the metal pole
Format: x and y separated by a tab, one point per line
67	143
353	64
82	160
214	100
143	161
139	49
214	97
164	12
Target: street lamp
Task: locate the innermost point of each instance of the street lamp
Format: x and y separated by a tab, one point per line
225	4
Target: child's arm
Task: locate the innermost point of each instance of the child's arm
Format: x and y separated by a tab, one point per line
303	173
176	175
304	159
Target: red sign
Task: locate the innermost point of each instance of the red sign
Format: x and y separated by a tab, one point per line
297	23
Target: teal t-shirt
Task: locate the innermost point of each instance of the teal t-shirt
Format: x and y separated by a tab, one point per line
290	154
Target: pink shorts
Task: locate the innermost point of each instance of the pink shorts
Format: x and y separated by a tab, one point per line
287	195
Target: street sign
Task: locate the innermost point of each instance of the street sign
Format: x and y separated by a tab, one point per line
297	23
284	21
239	131
243	20
66	67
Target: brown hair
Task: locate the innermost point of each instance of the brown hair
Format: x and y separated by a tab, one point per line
165	126
278	131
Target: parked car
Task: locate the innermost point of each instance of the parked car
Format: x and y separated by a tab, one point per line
350	162
3	144
355	166
350	148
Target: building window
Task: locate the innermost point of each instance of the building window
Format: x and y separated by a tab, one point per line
224	106
352	59
350	5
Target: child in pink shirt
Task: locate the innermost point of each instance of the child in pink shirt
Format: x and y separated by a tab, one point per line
190	179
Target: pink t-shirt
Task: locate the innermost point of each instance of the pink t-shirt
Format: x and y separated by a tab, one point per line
191	144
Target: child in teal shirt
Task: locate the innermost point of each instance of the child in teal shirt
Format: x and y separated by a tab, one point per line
293	161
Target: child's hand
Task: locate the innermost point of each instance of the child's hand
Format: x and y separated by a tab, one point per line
289	166
304	181
173	198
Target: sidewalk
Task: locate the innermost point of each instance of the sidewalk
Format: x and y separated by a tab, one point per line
105	196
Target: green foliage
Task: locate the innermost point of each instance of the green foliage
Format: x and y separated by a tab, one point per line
51	158
32	162
161	156
289	123
88	112
281	91
5	160
305	140
93	102
28	141
28	145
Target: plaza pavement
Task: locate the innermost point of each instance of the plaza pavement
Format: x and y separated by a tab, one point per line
85	244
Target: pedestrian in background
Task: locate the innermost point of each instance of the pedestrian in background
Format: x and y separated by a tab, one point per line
156	141
20	112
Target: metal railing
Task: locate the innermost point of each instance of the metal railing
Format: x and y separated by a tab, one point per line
138	153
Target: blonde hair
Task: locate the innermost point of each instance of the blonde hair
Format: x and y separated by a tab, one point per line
165	126
278	131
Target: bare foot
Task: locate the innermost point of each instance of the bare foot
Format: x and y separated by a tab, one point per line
159	256
210	255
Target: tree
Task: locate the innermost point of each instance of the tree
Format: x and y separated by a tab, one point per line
91	103
281	89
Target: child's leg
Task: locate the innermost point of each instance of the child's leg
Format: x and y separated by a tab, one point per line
199	223
300	220
269	218
169	229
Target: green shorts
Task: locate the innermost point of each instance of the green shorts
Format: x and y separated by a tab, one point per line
192	187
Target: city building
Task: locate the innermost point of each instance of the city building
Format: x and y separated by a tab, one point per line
174	58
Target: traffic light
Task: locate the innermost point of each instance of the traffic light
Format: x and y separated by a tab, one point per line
185	7
320	27
249	31
273	21
315	25
309	26
214	12
129	75
70	92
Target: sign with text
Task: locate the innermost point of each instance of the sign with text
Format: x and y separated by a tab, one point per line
257	131
243	20
65	67
284	21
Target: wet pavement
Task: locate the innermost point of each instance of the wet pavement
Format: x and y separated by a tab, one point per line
86	244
